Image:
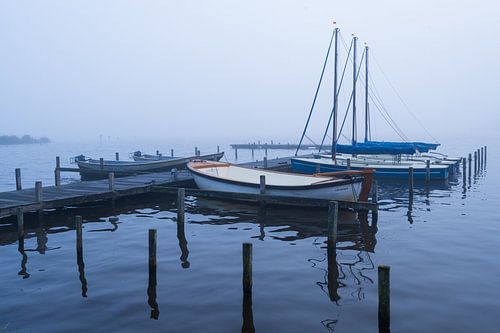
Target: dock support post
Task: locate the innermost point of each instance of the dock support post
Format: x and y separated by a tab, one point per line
117	156
265	162
236	153
247	268
78	228
111	179
427	170
38	191
333	215
171	153
265	148
482	158
19	186
57	172
348	164
485	153
410	181
20	223
464	171
101	163
155	312
157	152
262	185
384	304
218	149
181	193
470	165
475	163
375	191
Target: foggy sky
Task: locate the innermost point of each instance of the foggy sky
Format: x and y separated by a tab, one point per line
72	70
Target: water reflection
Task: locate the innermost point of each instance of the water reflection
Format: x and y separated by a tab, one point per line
23	272
183	245
81	270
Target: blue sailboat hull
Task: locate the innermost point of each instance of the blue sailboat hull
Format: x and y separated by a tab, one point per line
310	167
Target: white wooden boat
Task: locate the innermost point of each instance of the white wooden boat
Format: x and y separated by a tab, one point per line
227	177
138	156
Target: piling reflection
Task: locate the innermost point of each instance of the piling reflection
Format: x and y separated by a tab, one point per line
23	272
155	312
183	245
81	271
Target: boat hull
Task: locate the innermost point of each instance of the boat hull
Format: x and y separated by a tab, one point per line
311	166
347	191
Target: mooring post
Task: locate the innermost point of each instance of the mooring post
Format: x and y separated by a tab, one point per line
78	228
247	268
427	170
375	191
348	164
333	215
262	185
470	165
101	163
20	223
485	153
265	162
18	180
111	180
410	181
157	152
236	153
57	172
117	156
475	163
218	149
384	299
181	193
171	153
482	157
265	145
38	191
464	171
152	249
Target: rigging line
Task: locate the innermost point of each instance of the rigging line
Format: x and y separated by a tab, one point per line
317	91
388	122
308	138
402	100
375	94
337	93
350	99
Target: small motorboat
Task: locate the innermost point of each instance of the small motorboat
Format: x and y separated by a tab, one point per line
139	156
94	169
226	177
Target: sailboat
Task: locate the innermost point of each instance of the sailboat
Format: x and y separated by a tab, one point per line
389	159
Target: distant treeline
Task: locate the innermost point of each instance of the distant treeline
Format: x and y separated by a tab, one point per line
25	139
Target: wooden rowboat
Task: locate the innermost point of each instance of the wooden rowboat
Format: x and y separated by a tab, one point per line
138	156
226	177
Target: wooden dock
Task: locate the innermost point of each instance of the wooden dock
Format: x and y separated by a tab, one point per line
86	192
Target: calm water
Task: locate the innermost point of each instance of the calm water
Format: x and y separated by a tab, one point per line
443	249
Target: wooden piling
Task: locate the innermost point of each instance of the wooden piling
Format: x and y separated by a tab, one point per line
384	304
333	215
265	162
410	181
482	157
38	191
57	172
427	170
79	236
236	153
262	185
475	163
195	151
470	165
348	164
101	163
19	186
117	156
20	223
464	171
111	181
247	268
171	153
485	153
375	191
157	152
181	193
265	147
152	248
218	149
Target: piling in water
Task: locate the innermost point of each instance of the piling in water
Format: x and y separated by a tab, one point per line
155	313
375	191
18	180
427	170
38	191
475	163
333	213
78	228
101	163
117	156
464	171
265	162
181	193
384	305
171	153
111	181
410	181
470	165
262	185
57	172
247	268
348	164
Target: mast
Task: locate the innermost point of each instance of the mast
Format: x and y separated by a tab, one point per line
367	113
335	98
354	72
